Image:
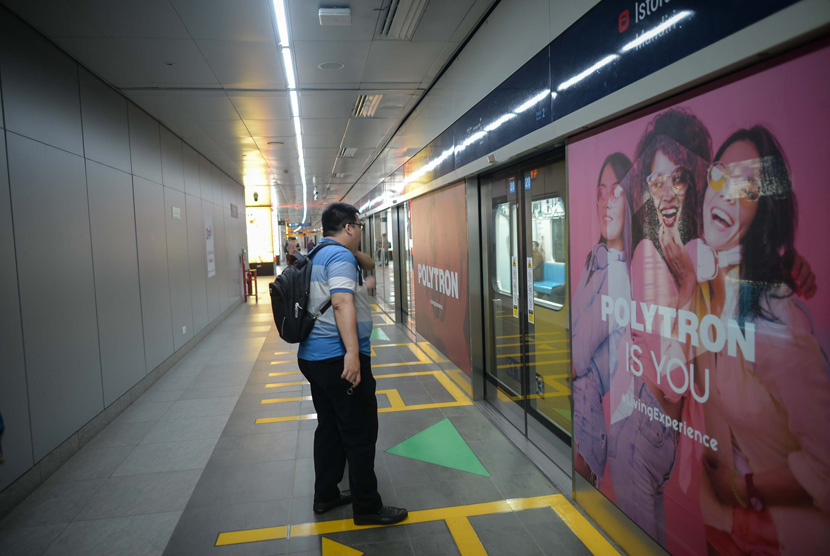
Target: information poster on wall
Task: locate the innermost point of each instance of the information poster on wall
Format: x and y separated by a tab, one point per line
211	253
439	238
700	377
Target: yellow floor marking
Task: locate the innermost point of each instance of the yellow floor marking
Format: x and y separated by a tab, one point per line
395	400
465	537
283	400
433	353
308	417
281	384
535	364
285	373
531	343
283	362
534	335
534	352
332	548
462	380
595	542
284	352
374	354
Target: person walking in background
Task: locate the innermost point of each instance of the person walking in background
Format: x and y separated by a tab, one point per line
336	361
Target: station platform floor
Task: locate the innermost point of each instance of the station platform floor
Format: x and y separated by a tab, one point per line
216	458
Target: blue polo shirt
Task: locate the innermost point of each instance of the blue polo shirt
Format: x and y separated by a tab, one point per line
334	269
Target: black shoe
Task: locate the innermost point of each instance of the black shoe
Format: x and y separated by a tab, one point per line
387	515
323	507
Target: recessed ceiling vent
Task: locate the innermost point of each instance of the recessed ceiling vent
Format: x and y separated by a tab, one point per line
348	152
400	20
337	175
366	105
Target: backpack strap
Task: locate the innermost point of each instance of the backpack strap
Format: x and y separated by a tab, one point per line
321	245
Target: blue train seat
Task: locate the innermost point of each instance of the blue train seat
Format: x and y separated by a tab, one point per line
554	276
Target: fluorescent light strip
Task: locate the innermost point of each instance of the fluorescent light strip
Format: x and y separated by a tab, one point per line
282	21
295	103
648	35
577	78
531	102
498	123
289	69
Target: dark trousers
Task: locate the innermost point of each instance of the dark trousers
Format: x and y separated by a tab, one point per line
347	430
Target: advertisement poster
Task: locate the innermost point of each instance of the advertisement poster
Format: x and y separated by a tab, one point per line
211	253
439	234
700	323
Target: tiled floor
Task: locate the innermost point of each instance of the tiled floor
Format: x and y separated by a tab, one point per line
189	461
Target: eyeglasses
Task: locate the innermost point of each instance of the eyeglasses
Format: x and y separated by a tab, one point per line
741	179
615	192
361	224
678	178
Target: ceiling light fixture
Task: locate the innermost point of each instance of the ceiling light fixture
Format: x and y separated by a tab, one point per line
295	103
330	65
348	152
282	22
401	20
366	105
276	143
289	68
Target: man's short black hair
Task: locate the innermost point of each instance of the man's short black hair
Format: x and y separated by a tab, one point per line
336	216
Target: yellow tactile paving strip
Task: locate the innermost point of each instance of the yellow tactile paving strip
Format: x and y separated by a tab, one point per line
456	517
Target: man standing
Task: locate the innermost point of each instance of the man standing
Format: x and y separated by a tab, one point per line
336	361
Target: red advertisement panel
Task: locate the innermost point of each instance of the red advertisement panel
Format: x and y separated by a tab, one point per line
439	235
701	381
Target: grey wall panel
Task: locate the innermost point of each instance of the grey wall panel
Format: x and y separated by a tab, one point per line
145	148
175	214
60	328
222	269
190	159
106	128
206	179
212	282
217	185
198	263
14	401
172	166
112	220
153	272
40	90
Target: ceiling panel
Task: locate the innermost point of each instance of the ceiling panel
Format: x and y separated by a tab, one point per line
322	141
148	19
270	128
153	55
316	155
192	105
255	105
239	64
55	18
101	55
309	54
440	20
400	61
305	23
327	104
227	20
328	126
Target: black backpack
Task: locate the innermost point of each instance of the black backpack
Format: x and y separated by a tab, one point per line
290	297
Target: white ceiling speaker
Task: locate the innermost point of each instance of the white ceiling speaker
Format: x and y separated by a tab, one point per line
335	16
401	20
366	105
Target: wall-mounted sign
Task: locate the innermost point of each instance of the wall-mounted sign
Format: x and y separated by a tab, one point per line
177	213
514	267
234	211
211	253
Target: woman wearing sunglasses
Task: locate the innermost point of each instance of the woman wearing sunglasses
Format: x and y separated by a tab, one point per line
770	490
595	344
667	181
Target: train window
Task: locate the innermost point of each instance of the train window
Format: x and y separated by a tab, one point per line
506	247
550	240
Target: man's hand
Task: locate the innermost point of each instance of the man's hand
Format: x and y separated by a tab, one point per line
351	368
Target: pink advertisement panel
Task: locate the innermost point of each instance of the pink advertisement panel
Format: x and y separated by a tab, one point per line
700	321
439	252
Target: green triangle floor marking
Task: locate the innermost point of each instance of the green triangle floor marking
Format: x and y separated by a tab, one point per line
441	444
378	334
